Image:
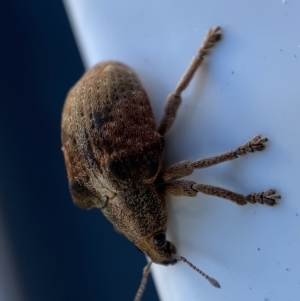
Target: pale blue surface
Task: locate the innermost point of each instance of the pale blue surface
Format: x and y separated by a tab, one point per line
249	86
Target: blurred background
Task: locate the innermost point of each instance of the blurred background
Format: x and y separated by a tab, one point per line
49	249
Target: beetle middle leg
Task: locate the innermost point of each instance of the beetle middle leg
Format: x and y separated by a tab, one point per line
174	99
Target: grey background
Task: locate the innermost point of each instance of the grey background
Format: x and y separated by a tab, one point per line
59	251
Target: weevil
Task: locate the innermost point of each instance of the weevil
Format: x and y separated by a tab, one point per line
114	152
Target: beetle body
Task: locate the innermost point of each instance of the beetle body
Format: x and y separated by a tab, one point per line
114	153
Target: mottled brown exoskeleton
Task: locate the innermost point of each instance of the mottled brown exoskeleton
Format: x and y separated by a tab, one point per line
114	154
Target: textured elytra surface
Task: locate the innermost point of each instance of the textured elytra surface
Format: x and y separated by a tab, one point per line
112	149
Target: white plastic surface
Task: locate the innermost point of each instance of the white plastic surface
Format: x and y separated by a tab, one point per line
249	85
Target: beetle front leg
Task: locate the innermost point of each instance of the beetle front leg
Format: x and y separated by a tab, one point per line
190	188
185	168
174	99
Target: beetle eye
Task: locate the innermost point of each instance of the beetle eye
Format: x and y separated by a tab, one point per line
159	239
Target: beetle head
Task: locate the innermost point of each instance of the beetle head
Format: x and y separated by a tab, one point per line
157	248
161	251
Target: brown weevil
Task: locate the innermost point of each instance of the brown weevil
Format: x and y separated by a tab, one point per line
114	154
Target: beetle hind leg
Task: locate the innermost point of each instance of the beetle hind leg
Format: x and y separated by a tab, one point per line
174	99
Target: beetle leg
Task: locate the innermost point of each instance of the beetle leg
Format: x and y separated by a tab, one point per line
185	168
174	99
190	188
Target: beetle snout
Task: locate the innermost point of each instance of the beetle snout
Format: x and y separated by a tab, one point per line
170	262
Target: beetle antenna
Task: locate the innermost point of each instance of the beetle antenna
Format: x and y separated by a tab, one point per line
146	272
212	281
